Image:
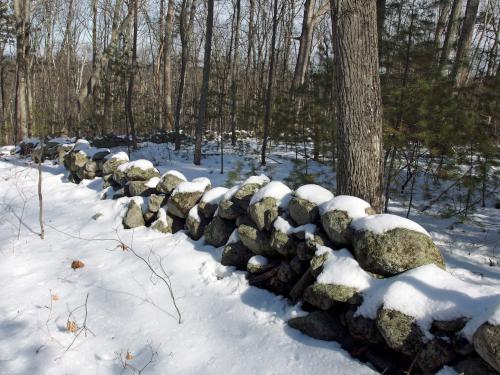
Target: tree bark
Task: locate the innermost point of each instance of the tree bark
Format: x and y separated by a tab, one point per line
269	93
132	68
451	33
460	69
168	115
204	86
234	83
359	107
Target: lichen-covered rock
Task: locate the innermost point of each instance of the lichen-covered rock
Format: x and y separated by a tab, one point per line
237	255
326	296
100	154
167	223
120	177
243	219
169	181
303	211
139	170
210	201
394	251
361	328
217	232
149	217
487	344
321	325
286	274
337	215
299	266
244	194
180	203
195	224
264	212
257	241
133	217
229	210
112	164
283	243
434	355
448	326
139	188
155	201
400	331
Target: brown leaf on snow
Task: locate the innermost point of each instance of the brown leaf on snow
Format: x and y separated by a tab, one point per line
71	326
77	264
54	297
129	356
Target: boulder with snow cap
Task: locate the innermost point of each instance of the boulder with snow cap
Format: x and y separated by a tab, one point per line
217	232
185	196
487	344
247	189
134	216
326	296
210	201
267	202
169	181
337	215
259	264
388	244
139	170
113	162
304	205
400	331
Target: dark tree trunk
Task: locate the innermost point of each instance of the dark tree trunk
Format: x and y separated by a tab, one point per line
451	33
234	83
359	108
204	86
130	90
269	95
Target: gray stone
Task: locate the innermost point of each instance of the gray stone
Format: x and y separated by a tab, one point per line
486	341
474	365
195	227
218	231
139	188
236	255
264	213
257	241
140	174
362	329
168	183
229	210
400	331
180	203
303	211
155	201
325	296
395	251
285	273
320	325
283	244
134	217
110	166
434	355
244	194
259	268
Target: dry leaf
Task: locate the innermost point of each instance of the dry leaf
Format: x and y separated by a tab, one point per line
54	297
71	326
77	264
129	356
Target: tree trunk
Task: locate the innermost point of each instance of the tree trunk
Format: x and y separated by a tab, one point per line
444	8
359	107
461	66
380	24
168	115
304	46
133	66
234	83
22	17
451	33
269	94
204	86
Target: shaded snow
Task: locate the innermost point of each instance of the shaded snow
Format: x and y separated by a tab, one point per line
176	174
385	222
214	196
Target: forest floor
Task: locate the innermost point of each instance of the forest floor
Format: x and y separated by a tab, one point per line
122	316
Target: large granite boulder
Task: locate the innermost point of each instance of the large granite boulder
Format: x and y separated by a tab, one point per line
389	244
487	344
217	232
321	325
134	216
169	181
185	196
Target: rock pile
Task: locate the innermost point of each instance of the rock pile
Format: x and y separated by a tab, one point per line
343	262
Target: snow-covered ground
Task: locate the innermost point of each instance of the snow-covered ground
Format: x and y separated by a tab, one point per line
130	321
